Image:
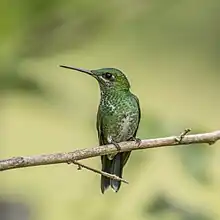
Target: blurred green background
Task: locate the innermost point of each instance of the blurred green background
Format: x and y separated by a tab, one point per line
170	52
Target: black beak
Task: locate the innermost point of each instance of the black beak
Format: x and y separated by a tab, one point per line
78	69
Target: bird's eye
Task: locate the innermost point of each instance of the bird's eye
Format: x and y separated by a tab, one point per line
107	75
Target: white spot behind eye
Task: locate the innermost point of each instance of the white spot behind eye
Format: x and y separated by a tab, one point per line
106	81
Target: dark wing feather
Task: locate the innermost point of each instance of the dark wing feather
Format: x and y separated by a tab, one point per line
99	128
139	111
106	163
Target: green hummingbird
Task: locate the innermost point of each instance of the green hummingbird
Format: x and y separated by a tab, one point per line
118	119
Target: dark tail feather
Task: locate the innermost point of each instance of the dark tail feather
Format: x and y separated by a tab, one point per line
114	166
106	167
116	169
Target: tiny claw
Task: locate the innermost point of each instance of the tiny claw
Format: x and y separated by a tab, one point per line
116	145
137	140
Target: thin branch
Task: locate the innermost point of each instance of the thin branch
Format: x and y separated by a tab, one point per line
111	176
46	159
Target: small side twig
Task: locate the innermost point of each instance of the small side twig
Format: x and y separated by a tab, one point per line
182	135
111	176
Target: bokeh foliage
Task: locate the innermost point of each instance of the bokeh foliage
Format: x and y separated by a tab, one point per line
170	52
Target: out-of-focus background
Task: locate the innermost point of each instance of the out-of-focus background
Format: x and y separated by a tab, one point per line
170	52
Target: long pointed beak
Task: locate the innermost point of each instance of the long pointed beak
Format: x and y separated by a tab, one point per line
78	69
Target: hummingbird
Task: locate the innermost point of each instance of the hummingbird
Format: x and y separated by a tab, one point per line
118	119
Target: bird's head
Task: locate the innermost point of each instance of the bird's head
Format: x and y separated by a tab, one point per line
108	78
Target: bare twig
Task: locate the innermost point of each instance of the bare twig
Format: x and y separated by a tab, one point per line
111	176
46	159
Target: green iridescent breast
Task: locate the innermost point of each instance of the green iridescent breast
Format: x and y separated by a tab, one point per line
119	116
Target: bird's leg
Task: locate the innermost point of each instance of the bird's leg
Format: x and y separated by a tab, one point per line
111	141
137	140
116	145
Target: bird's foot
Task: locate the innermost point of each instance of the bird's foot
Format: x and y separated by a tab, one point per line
137	140
116	145
111	141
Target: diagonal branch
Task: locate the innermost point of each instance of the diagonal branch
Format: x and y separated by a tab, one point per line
111	176
55	158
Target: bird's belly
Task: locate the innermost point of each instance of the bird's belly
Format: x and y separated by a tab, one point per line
124	128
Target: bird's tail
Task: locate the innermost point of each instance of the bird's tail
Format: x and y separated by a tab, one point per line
115	167
106	167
